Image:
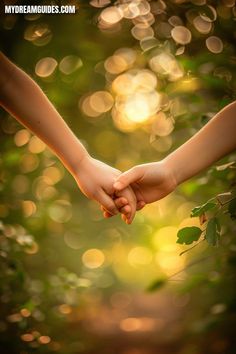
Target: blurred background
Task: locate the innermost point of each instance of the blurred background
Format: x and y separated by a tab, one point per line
134	80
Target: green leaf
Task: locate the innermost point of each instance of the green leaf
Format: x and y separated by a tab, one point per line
157	284
199	210
213	232
188	235
232	208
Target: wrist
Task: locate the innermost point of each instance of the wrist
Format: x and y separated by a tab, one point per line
171	171
80	155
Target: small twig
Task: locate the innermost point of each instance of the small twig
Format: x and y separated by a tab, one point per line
228	201
192	246
219	202
189	266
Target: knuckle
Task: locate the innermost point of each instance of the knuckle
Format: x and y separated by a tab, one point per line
136	169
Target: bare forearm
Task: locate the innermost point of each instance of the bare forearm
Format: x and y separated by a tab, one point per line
212	142
23	98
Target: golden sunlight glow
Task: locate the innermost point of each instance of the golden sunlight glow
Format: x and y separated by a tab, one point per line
175	21
99	3
139	256
165	64
165	237
115	64
29	208
87	109
93	258
60	211
70	64
101	101
214	44
25	312
65	309
131	324
202	25
45	67
29	162
72	240
27	337
136	98
22	137
170	262
111	15
181	35
44	339
32	248
187	84
139	32
123	85
39	34
137	108
53	174
162	124
190	222
36	145
97	103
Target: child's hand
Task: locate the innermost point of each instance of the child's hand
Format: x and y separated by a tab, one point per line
150	182
96	179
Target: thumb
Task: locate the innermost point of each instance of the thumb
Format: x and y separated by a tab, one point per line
127	178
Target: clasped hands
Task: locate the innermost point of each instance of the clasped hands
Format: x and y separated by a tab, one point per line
124	192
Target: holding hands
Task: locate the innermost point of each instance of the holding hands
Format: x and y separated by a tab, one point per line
95	179
153	181
24	99
114	191
150	182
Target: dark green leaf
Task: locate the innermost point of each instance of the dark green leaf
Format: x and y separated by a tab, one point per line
232	208
157	284
199	210
188	235
213	232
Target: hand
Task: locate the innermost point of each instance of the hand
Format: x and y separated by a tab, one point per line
150	182
96	179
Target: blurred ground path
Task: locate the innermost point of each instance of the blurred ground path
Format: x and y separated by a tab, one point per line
127	323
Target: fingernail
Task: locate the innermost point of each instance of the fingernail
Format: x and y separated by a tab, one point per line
118	185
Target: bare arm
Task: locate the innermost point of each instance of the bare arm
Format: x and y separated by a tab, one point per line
23	98
154	181
215	140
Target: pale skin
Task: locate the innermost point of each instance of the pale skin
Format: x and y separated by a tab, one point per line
153	181
23	99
